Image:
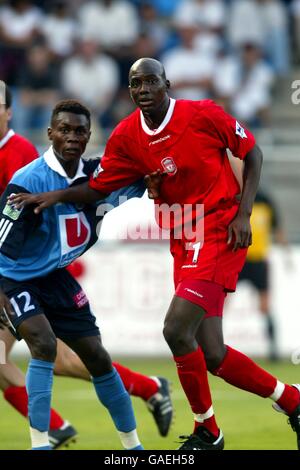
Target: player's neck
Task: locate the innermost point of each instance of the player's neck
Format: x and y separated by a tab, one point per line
70	167
156	117
3	131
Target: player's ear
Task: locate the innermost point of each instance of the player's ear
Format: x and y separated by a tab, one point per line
89	136
9	114
168	84
49	132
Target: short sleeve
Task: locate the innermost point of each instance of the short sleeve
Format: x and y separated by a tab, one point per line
231	132
117	168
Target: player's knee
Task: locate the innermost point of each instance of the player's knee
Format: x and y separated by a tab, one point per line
179	341
43	346
214	358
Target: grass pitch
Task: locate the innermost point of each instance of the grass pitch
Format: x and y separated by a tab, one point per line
247	421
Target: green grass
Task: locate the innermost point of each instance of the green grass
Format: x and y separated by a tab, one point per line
248	422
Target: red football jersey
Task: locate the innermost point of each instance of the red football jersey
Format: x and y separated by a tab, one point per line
15	152
190	145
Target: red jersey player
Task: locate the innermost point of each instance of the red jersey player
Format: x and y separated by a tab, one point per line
188	141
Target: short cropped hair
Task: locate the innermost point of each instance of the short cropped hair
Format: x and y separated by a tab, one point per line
70	106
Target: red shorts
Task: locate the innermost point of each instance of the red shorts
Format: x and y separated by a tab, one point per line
206	294
214	261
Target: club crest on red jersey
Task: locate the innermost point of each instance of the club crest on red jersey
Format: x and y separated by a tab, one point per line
169	165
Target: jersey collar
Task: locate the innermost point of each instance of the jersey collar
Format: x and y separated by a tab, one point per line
163	124
54	164
6	138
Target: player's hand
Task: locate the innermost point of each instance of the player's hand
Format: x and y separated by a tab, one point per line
153	183
5	310
239	232
40	200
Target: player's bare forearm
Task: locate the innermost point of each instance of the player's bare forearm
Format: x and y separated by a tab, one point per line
251	177
76	194
82	193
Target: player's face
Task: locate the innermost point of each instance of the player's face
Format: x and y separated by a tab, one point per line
5	115
148	89
69	134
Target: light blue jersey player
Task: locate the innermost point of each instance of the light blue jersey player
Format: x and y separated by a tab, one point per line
47	301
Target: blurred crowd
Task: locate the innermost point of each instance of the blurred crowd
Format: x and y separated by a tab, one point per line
233	51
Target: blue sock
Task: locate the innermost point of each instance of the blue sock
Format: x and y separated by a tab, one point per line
39	380
112	394
46	448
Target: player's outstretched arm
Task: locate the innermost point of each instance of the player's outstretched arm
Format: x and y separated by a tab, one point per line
76	194
240	227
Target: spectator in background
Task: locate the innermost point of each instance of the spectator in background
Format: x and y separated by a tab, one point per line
277	47
263	22
189	71
211	13
112	24
243	85
245	23
154	28
91	77
59	30
209	16
166	8
38	85
20	23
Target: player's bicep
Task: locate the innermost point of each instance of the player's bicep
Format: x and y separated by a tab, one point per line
232	134
15	224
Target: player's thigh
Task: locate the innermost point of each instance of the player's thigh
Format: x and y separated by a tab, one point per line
8	340
10	374
66	306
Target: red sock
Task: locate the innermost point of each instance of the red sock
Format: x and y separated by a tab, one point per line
56	421
137	384
289	399
192	374
17	397
240	371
